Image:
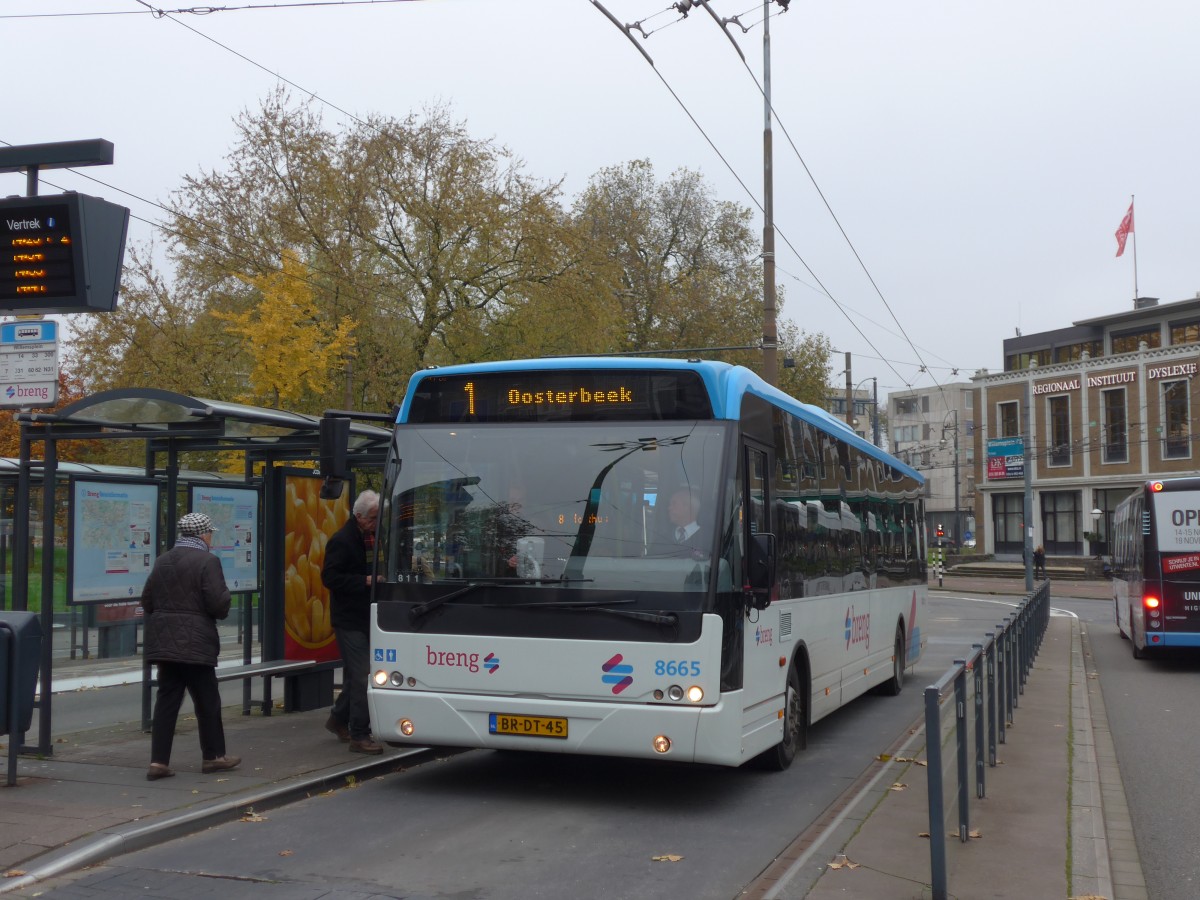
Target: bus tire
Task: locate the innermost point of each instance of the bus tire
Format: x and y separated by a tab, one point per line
795	726
894	685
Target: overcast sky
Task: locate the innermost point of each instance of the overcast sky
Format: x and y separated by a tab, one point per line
979	157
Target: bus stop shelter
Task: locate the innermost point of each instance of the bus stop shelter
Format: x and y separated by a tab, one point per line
172	428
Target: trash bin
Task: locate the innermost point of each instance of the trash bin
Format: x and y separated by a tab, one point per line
20	656
117	639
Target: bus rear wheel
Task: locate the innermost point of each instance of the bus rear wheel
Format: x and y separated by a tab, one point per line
895	684
795	726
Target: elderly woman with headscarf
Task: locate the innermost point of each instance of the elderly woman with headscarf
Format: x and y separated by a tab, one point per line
183	598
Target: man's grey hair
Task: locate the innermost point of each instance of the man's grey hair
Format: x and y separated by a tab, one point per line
366	501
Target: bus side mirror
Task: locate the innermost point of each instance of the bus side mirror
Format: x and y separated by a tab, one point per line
333	444
760	574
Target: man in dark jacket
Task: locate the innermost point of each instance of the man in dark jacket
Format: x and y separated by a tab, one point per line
347	573
183	598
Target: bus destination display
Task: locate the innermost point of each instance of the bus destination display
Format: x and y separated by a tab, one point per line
560	395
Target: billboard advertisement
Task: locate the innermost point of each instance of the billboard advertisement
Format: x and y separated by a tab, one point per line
1005	458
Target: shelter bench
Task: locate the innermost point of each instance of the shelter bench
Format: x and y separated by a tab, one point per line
266	671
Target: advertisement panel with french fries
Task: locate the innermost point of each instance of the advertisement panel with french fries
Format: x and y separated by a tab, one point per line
309	522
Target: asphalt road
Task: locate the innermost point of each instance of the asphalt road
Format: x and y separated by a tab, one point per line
516	825
1153	708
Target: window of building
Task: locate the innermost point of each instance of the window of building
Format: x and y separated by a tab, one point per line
1059	409
1008	514
1019	361
1176	435
1185	333
1115	447
925	403
905	405
1010	425
1060	522
1073	352
1130	340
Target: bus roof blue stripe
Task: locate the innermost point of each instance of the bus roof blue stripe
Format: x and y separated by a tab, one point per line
726	385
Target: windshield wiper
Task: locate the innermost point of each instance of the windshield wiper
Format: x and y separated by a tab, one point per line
602	607
429	606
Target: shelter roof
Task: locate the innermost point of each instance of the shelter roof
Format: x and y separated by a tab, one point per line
148	412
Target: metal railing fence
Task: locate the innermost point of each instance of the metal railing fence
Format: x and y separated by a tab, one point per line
985	688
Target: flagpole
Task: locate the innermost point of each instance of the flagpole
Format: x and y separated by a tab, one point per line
1135	288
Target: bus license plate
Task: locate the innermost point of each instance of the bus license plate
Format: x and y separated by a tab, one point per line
527	726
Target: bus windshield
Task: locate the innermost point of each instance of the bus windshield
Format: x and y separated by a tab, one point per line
629	507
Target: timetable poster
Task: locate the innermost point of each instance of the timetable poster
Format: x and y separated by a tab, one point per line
234	512
114	533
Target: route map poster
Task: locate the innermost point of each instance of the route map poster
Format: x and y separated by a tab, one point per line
113	539
234	511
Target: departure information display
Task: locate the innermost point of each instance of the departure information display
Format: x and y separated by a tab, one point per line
60	253
38	258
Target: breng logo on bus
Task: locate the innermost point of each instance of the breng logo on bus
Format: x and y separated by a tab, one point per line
858	628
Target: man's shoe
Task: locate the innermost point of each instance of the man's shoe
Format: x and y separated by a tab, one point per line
220	764
157	771
335	727
366	746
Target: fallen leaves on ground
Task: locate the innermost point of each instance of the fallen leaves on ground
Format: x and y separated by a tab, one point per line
842	861
252	816
14	873
285	852
669	857
898	786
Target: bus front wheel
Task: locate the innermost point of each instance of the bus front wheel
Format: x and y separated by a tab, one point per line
795	725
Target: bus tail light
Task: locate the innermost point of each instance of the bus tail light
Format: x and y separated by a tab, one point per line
1150	602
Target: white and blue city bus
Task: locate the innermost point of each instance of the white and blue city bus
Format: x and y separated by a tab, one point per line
533	593
1156	565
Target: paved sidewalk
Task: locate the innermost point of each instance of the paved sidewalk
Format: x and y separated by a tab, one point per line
91	801
1054	823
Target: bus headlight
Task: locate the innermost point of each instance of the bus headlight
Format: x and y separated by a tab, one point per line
675	692
661	744
695	693
406	727
397	680
380	678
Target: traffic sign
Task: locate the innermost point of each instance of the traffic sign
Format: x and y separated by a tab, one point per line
28	364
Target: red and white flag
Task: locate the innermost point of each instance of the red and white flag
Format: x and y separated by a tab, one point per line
1125	229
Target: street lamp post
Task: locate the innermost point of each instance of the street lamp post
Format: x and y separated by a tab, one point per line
945	428
874	401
